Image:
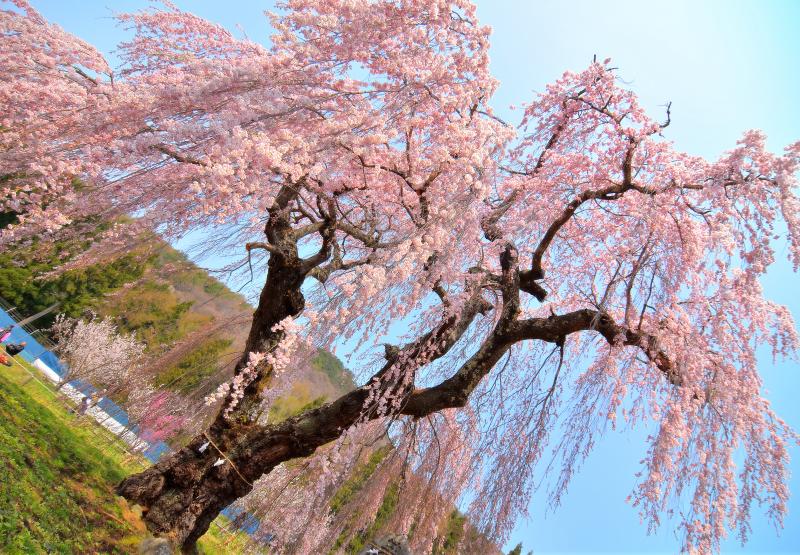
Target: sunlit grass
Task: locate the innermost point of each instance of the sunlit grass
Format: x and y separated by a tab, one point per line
58	475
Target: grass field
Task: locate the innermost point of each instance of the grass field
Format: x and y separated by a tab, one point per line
57	474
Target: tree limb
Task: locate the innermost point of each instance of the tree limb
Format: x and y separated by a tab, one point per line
177	156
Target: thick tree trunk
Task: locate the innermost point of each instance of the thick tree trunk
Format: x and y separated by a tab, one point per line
182	494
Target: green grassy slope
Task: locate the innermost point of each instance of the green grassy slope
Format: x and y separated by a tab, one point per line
57	477
56	494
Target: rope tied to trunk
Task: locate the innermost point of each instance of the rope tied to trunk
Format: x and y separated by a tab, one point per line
224	456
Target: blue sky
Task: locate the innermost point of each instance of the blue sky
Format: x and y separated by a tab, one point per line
726	66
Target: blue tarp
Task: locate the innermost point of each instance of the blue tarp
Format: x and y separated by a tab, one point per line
52	361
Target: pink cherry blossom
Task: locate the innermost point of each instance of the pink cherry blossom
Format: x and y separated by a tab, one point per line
577	268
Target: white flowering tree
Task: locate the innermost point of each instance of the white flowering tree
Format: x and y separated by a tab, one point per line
93	350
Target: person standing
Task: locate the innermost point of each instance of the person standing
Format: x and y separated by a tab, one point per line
14	349
84	406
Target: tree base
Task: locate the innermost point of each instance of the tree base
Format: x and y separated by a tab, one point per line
181	495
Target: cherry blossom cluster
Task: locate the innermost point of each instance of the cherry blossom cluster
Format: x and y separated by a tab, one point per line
93	350
234	390
164	416
276	361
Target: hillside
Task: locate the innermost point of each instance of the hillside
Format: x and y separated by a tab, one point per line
193	325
